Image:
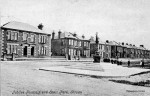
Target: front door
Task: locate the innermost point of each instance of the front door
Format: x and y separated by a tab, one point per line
32	51
25	51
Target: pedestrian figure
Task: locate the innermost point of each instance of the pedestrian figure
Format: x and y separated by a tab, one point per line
117	62
78	57
121	62
128	63
142	63
112	61
75	57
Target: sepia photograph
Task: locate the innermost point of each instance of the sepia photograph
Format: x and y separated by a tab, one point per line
75	47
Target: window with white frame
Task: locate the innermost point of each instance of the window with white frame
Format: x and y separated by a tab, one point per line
8	35
8	49
42	39
84	43
12	35
70	42
11	48
84	52
87	44
25	36
16	36
79	43
42	50
39	38
75	43
32	38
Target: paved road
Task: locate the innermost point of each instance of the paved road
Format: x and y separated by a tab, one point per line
23	79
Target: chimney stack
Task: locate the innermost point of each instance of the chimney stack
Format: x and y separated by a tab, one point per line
59	33
75	34
141	45
83	36
53	34
107	41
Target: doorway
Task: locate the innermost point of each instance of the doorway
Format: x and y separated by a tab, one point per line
32	51
25	51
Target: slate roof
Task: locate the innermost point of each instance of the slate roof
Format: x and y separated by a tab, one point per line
69	35
92	41
21	26
65	35
112	43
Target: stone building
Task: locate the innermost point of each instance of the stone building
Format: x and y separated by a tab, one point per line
100	47
24	40
70	44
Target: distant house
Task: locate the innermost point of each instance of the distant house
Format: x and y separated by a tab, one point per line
70	44
24	40
100	47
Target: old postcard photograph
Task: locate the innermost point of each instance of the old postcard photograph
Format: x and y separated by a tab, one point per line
75	47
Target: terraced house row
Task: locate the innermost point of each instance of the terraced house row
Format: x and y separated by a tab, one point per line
113	49
19	39
24	40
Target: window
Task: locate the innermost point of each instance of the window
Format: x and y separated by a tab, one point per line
16	36
42	50
11	49
84	43
70	51
8	49
25	36
39	38
70	42
42	39
74	52
12	35
84	52
8	35
75	43
45	39
79	43
32	37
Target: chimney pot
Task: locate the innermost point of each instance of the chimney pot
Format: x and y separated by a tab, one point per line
107	41
59	33
53	34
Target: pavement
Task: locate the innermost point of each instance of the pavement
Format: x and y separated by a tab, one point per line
96	69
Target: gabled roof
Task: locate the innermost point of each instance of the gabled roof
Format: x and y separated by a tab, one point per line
142	48
21	26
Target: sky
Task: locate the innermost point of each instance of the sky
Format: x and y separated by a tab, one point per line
119	20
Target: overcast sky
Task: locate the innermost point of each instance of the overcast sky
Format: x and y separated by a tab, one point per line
120	20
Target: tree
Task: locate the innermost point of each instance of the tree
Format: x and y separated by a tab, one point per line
40	26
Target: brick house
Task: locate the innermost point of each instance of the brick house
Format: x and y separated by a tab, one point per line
24	40
69	44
